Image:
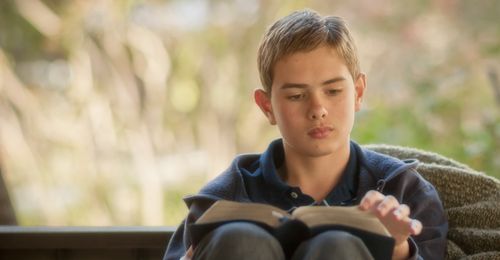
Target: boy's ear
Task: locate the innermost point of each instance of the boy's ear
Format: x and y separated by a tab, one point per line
359	91
263	100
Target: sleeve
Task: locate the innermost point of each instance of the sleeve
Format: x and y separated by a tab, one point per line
181	240
177	247
413	250
427	208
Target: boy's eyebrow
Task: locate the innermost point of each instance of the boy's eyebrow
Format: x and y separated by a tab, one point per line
302	85
330	81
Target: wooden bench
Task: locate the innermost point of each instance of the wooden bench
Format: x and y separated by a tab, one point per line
17	242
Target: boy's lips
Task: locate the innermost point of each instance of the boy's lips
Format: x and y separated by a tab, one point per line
320	132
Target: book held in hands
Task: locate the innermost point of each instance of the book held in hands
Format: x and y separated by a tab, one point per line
290	229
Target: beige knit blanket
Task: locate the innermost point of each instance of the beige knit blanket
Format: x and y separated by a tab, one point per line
471	200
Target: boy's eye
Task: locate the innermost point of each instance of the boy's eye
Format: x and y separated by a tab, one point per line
296	97
333	91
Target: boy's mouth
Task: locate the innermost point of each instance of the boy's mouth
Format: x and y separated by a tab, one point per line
320	132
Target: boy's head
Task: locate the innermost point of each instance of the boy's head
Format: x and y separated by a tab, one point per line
304	31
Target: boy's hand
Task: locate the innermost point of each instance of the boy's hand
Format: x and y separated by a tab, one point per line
395	218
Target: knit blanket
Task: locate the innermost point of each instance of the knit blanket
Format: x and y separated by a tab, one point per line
471	200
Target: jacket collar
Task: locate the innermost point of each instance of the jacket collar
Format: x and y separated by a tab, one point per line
273	158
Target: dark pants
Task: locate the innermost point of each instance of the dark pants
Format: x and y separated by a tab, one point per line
248	241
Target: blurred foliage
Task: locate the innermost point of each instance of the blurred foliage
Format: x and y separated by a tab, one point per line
112	111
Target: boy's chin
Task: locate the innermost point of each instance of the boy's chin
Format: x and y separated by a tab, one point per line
317	150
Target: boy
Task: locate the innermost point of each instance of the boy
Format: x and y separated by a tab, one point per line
312	88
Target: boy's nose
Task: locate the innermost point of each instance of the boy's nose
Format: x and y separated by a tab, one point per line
318	114
317	111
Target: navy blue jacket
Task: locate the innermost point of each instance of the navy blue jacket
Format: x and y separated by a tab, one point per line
253	178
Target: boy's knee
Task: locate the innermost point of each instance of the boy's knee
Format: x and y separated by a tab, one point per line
333	245
235	233
339	239
336	236
239	240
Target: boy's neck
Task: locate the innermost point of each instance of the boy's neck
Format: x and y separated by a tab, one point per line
316	176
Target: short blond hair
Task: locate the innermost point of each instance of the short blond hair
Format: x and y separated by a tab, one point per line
303	31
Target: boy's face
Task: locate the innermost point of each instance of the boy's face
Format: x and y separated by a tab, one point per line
313	101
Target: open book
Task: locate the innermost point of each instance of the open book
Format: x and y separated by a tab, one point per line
302	224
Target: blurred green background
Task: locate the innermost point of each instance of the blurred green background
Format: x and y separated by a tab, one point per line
112	111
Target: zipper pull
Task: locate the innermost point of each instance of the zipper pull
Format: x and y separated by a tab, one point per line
380	185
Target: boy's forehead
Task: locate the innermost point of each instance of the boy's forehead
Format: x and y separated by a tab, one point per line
310	67
318	55
329	48
314	55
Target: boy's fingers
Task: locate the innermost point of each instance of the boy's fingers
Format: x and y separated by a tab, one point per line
388	204
401	212
371	199
394	215
410	226
415	227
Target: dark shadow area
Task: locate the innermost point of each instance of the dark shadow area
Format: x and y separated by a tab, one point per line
7	215
83	242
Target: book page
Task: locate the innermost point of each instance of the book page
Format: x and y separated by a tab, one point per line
346	216
224	210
